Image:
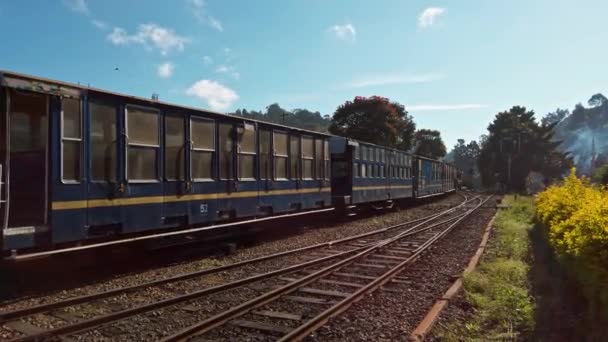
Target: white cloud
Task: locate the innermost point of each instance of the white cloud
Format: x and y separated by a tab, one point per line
218	96
389	79
150	35
222	68
207	60
79	6
429	16
165	70
344	32
230	70
199	11
438	107
99	24
215	23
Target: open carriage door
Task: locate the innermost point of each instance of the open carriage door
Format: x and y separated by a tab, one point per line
27	159
25	170
25	105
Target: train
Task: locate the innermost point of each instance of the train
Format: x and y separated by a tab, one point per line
80	165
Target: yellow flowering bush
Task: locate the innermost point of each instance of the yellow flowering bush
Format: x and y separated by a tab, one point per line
575	214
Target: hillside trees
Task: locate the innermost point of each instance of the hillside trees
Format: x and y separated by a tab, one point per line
374	119
555	117
301	118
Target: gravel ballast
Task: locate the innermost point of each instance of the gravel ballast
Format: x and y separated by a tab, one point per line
390	316
131	328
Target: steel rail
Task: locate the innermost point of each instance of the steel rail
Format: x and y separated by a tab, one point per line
41	308
114	316
320	320
223	317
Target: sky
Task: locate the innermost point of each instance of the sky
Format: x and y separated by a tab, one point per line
453	64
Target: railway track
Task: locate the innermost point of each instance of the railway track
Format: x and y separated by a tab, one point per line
335	288
325	255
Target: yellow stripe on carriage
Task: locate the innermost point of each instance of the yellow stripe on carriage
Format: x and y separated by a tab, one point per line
96	203
382	187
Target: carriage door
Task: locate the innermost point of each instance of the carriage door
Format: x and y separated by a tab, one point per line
143	209
227	182
175	207
27	158
246	156
103	190
342	171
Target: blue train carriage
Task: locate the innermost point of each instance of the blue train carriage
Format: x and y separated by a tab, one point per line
365	173
450	181
429	179
80	163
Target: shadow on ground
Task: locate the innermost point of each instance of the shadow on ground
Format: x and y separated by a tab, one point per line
562	312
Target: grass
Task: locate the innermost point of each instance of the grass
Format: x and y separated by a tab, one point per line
499	289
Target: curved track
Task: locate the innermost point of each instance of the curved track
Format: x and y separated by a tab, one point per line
366	272
331	253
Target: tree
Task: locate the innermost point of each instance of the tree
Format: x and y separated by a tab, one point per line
464	157
428	143
301	118
554	117
597	100
517	145
374	119
600	175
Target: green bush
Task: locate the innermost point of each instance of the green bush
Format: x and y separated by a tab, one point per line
601	175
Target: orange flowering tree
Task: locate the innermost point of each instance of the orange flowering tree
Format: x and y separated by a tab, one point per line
374	119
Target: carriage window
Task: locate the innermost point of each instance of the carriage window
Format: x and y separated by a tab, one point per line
202	134
356	150
247	152
264	143
103	142
382	171
369	171
174	148
294	156
143	144
225	151
356	170
71	139
326	158
280	155
363	171
318	158
307	157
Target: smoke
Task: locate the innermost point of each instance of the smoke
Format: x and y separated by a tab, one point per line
584	144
